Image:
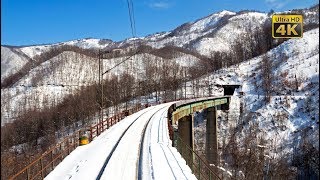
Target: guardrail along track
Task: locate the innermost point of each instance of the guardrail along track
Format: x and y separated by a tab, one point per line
199	167
43	165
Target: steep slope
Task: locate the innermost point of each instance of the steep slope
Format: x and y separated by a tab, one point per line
188	32
282	113
90	43
11	62
286	122
220	31
51	81
48	84
67	69
223	29
236	28
32	51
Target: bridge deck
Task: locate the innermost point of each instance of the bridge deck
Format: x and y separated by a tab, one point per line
188	107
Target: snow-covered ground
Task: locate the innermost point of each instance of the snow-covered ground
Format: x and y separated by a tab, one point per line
205	35
292	114
10	62
160	159
64	74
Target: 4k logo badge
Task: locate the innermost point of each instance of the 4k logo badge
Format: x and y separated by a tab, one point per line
287	26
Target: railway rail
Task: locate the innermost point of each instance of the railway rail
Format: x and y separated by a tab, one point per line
116	145
160	156
141	149
126	160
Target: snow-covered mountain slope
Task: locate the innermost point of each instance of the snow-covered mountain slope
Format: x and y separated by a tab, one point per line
283	126
90	43
222	29
292	114
300	106
67	70
207	22
11	62
228	34
32	51
189	32
48	83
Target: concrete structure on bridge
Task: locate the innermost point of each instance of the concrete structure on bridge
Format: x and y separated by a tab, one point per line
181	118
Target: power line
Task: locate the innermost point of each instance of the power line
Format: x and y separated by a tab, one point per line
100	54
131	17
134	21
133	31
119	63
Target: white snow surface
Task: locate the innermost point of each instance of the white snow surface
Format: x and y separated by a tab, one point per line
229	33
295	58
209	21
89	43
160	160
67	72
10	62
33	51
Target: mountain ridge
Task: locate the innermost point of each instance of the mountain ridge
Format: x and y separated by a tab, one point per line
224	35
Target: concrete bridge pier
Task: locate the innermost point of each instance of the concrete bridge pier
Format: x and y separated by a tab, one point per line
186	131
211	136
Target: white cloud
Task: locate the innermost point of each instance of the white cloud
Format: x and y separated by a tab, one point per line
160	5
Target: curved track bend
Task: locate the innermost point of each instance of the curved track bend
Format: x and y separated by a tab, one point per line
138	147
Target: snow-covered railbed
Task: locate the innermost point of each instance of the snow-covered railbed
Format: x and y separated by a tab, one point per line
123	163
86	161
160	159
123	142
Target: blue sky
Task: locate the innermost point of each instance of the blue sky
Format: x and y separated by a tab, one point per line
26	22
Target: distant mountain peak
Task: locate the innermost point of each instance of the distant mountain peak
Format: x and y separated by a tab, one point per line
226	12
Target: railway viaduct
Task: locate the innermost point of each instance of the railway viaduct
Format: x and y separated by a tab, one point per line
181	117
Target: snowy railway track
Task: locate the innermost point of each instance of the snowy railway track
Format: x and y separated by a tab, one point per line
115	147
165	136
159	159
125	161
138	147
141	149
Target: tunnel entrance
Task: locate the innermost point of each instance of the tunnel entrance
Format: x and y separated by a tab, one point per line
229	89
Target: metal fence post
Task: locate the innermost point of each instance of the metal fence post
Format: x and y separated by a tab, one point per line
61	157
41	163
90	133
97	129
28	173
199	168
68	145
52	165
74	142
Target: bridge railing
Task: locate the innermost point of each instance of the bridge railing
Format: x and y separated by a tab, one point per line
199	167
43	165
100	127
